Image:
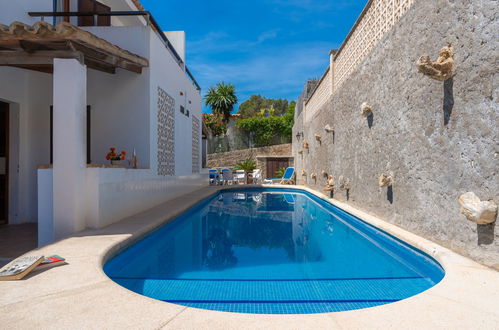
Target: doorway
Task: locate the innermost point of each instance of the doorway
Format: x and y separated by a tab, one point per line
274	164
4	163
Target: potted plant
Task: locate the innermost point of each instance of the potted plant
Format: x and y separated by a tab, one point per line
248	165
279	173
114	157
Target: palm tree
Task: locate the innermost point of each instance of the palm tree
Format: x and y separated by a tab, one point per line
221	99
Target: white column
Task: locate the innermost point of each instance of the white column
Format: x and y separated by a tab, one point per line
69	143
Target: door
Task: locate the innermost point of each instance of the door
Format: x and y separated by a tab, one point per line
4	162
92	6
273	164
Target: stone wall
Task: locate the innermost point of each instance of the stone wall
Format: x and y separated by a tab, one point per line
437	139
231	158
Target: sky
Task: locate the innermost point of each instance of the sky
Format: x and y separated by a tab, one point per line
266	47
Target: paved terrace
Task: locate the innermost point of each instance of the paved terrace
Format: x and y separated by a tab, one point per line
80	296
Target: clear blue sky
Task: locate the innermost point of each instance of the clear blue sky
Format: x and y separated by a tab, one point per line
266	47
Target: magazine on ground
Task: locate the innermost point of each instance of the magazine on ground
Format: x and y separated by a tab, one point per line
53	260
20	267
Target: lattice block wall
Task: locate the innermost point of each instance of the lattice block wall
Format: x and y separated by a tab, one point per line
166	133
379	18
196	133
320	96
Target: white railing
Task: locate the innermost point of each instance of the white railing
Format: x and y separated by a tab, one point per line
377	18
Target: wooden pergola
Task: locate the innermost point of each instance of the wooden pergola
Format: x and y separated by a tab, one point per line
35	48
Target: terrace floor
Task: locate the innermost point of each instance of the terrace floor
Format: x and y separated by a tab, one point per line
15	240
80	295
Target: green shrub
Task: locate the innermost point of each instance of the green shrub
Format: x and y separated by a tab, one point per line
280	172
264	129
247	165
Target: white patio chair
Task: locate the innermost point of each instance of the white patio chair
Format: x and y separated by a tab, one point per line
240	176
227	176
257	175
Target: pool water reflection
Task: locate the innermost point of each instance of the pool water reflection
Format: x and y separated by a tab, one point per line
272	251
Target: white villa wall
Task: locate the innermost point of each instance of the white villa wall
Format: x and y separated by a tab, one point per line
166	73
120	102
124	115
30	95
113	194
177	39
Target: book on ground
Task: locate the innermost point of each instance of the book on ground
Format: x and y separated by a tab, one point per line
20	267
51	261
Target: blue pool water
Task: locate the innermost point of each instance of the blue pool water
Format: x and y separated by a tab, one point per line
272	251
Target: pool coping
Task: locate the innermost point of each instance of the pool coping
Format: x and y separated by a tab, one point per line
80	295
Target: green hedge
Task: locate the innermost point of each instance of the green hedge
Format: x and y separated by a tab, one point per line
264	129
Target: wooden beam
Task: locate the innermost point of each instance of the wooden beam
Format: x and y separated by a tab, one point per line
130	67
42	57
32	46
100	66
39	68
105	57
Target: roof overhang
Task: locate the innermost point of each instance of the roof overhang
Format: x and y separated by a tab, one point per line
35	47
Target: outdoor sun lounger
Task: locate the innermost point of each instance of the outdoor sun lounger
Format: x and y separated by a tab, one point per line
289	198
240	176
287	178
227	176
214	176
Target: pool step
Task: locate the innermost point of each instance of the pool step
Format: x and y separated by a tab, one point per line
372	290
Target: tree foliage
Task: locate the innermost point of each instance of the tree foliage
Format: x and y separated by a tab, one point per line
264	129
221	99
257	105
215	123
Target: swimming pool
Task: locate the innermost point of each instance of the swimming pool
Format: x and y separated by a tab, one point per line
272	251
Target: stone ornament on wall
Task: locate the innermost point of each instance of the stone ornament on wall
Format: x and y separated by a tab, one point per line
313	176
385	180
305	145
475	210
196	124
328	129
330	183
442	69
318	138
366	109
166	133
344	183
303	173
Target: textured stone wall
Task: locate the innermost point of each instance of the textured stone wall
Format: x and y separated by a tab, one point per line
437	139
229	159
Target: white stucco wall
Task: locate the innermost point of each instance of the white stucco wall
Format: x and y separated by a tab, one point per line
124	115
69	162
29	94
166	73
120	102
177	39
